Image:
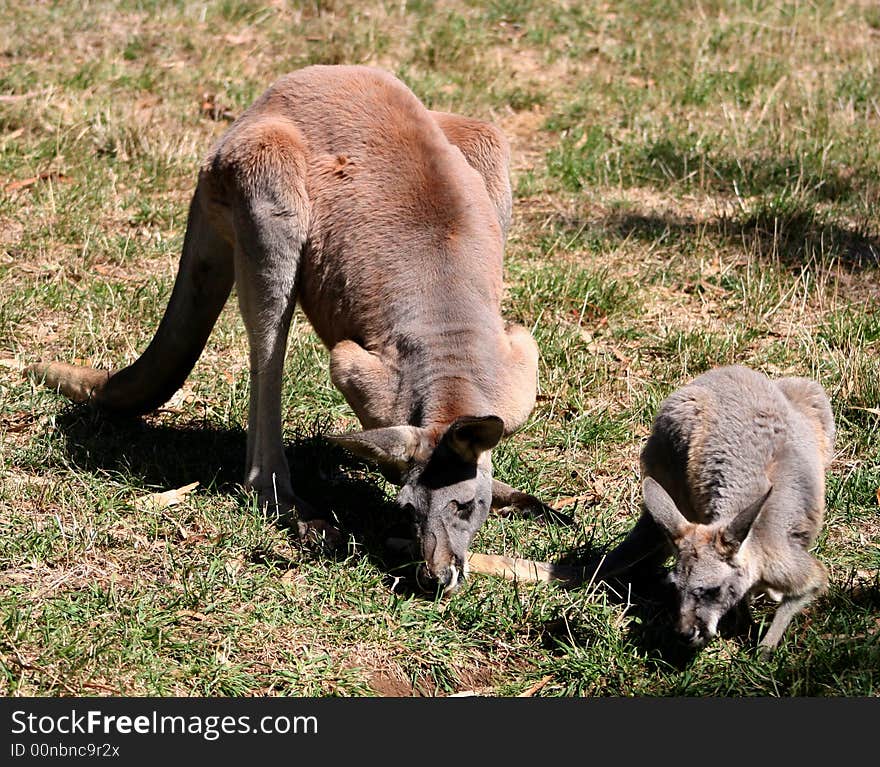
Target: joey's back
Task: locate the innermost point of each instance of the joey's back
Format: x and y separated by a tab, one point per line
734	432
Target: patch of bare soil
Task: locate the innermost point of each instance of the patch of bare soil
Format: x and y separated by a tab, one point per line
389	685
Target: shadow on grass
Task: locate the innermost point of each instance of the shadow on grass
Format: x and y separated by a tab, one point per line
787	194
831	648
340	488
792	235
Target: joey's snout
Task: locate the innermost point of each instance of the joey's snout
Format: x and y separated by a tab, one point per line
696	636
698	630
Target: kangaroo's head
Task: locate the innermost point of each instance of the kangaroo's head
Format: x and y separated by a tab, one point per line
709	576
446	486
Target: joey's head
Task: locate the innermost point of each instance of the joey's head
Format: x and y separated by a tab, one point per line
709	576
445	485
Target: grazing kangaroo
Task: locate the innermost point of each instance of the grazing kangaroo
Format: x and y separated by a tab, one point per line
734	475
387	222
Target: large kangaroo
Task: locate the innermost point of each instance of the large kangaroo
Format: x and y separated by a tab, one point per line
734	476
386	221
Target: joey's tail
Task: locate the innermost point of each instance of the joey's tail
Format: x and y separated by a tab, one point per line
203	283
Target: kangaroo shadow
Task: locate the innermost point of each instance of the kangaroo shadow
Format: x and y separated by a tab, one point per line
649	600
845	617
338	487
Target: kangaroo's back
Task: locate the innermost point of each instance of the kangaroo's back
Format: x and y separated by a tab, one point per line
401	226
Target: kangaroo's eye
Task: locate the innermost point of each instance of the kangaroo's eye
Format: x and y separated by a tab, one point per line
464	510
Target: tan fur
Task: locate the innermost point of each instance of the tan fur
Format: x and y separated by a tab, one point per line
337	188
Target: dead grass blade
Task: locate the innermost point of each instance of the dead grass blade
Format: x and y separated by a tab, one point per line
535	687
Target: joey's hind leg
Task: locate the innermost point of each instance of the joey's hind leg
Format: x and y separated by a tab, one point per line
814	583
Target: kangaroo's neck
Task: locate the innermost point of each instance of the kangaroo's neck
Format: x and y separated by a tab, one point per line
449	370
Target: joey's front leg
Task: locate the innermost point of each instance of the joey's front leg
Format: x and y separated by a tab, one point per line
816	581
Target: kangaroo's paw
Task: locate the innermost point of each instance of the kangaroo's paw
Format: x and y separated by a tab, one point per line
507	501
319	532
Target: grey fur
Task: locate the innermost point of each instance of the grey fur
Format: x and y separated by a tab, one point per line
734	486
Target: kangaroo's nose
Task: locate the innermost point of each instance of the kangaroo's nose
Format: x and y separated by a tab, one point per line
447	579
694	636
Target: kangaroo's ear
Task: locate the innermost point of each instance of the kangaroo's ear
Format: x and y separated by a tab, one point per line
663	509
392	448
737	531
469	436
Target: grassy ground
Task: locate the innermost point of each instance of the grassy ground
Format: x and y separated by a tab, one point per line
695	184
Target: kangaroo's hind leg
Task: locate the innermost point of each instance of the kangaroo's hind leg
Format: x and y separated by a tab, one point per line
263	164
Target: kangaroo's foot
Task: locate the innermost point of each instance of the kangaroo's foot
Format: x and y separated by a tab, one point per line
294	513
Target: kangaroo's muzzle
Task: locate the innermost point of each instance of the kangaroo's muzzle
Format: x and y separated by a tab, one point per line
445	579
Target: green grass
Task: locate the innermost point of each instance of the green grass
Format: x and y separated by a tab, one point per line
691	189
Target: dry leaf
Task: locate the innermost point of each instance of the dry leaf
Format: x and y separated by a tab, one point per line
9	98
165	499
240	39
562	503
292	578
17	422
214	109
14	186
232	566
196	616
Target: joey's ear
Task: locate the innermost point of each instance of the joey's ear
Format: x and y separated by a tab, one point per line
663	509
735	533
391	448
469	436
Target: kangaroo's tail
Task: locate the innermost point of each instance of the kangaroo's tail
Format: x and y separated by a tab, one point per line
203	283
